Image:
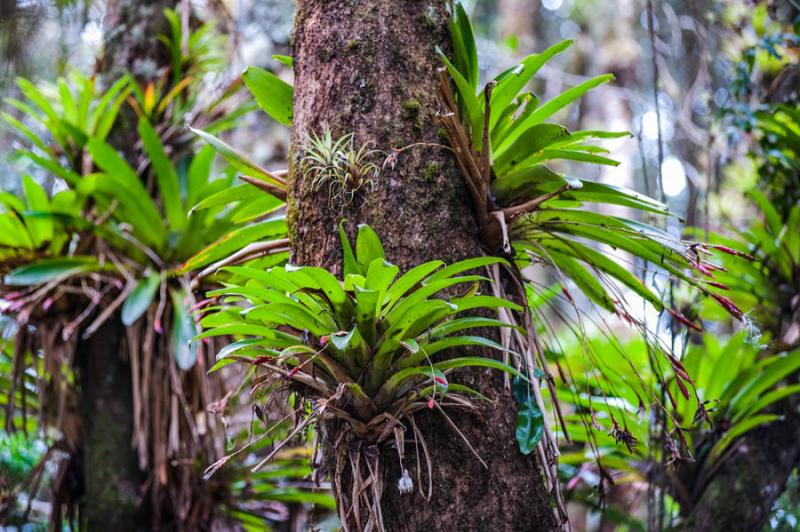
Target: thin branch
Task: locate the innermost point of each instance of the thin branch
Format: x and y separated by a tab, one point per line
519	210
108	311
247	252
275	190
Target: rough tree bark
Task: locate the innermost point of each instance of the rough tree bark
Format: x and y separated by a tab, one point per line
112	481
111	475
742	493
369	68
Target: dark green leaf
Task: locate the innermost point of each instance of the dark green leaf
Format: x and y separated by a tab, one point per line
50	270
530	425
140	298
272	94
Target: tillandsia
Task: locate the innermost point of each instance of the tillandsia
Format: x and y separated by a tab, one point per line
366	349
338	167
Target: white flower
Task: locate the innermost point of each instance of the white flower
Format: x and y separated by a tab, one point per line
405	484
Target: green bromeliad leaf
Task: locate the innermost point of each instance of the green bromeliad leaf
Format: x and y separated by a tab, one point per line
378	333
48	270
165	173
272	94
140	298
546	211
238	160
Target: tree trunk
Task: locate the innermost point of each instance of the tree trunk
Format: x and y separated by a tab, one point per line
741	494
113	498
132	47
369	68
517	20
111	476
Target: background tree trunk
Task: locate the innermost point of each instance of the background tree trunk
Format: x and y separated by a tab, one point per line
132	47
741	494
114	499
111	475
369	68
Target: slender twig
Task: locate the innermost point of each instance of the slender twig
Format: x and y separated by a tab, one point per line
247	252
277	191
519	210
298	428
108	311
144	249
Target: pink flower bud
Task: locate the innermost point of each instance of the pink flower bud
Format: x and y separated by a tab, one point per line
728	305
682	387
684	320
731	251
430	403
704	269
566	293
200	304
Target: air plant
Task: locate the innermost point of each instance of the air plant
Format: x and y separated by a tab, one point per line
365	349
338	167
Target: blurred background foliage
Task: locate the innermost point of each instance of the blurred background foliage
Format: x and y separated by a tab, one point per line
710	95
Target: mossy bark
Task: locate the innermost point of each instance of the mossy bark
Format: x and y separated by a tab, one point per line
369	68
741	493
111	476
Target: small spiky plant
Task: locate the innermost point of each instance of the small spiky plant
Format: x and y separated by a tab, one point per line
339	168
